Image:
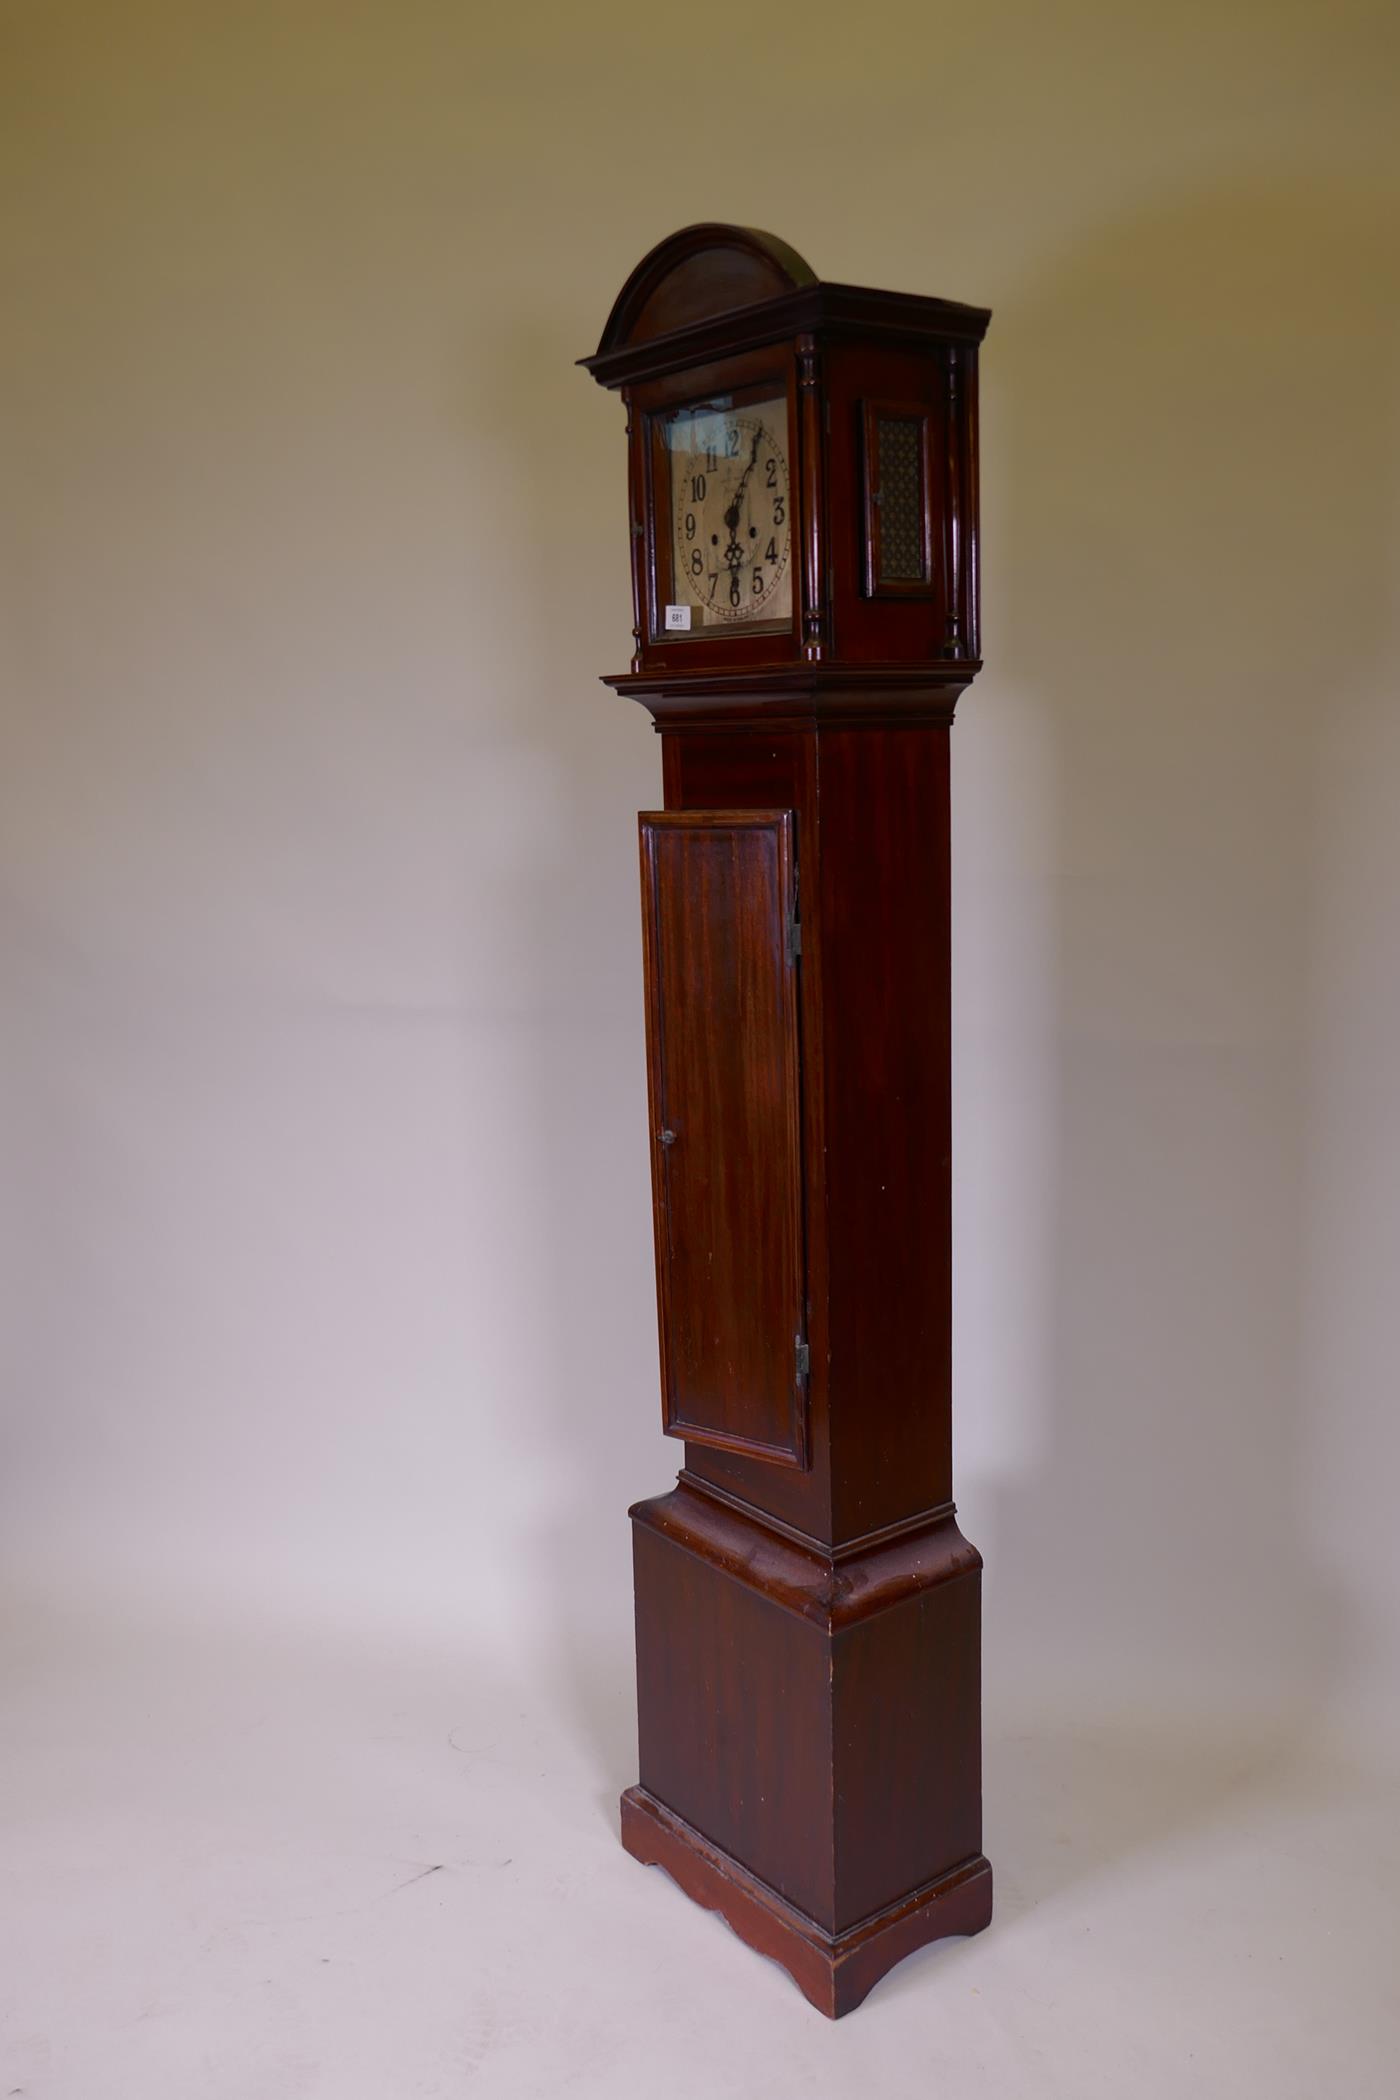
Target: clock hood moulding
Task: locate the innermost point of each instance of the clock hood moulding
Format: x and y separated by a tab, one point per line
678	282
689	295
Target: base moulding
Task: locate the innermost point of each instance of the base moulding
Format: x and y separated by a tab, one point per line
834	1973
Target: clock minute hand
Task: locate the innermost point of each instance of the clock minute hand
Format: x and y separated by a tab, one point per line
731	516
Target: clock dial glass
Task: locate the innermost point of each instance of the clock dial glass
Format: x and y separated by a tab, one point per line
730	516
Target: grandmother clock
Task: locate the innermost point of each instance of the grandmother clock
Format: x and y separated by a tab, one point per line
803	481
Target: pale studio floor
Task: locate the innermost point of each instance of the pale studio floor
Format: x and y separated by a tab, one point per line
245	1867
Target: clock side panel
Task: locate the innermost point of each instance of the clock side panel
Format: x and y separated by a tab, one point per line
902	502
907	1753
883	912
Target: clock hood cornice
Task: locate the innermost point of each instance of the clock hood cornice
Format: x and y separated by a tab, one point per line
711	289
810	695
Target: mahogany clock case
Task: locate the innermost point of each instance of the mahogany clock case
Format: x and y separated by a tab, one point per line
808	1613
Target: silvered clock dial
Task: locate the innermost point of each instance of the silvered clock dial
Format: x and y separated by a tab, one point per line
731	514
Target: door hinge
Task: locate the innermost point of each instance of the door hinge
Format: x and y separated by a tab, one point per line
804	1360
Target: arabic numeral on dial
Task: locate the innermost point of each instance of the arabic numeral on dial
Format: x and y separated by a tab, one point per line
772	466
731	443
734	590
771	552
690	524
697	488
697	561
758	583
779	511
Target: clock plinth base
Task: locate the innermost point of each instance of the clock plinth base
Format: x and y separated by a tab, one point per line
808	1734
833	1973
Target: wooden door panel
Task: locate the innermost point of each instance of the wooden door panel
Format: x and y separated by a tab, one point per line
718	908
